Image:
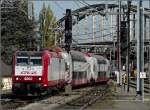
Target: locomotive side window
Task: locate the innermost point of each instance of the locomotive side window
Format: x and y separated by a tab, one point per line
22	61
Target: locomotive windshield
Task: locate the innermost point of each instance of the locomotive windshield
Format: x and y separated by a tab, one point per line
22	61
32	61
35	61
25	59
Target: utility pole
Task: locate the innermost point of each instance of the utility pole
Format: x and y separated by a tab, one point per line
0	57
103	27
68	30
118	40
68	41
120	74
118	43
140	48
0	50
114	41
133	26
128	45
149	52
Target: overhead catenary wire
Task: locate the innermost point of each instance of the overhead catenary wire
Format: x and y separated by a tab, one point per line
85	2
82	3
59	6
89	6
99	37
98	25
91	32
77	4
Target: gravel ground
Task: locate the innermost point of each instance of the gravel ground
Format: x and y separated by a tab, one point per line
121	100
55	101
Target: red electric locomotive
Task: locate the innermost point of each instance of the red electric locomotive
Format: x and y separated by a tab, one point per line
37	72
40	72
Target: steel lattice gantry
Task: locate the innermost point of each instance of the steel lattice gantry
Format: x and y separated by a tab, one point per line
99	9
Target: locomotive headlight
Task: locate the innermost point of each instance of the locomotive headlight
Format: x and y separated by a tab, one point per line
17	78
39	79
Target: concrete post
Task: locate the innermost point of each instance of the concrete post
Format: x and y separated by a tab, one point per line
128	44
0	58
149	61
118	46
120	73
140	48
134	27
149	55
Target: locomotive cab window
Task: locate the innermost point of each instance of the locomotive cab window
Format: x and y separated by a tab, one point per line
35	61
22	61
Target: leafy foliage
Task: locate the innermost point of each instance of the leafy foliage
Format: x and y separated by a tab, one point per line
47	26
17	30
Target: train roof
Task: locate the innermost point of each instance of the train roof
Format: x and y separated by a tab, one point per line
28	53
107	61
101	59
77	56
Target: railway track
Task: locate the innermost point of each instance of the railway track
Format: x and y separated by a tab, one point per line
146	86
133	84
88	98
11	101
11	104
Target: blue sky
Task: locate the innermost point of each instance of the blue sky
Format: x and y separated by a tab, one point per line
59	7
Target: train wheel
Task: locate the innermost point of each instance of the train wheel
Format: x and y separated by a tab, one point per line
92	81
49	91
39	92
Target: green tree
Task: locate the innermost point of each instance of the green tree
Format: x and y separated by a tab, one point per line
16	25
47	25
17	30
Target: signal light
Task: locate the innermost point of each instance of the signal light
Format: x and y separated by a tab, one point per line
68	26
39	79
45	85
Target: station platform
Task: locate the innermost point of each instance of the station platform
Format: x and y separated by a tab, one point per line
4	94
9	91
120	99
